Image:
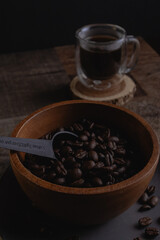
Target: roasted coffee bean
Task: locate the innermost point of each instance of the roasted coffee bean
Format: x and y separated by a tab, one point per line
101	156
120	151
120	161
74	174
83	137
88	165
114	139
144	221
153	201
77	183
99	165
151	232
121	170
66	150
144	198
150	190
92	144
80	153
100	139
60	181
145	207
78	127
112	145
93	155
96	181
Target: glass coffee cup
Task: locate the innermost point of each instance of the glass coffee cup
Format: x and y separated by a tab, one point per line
102	56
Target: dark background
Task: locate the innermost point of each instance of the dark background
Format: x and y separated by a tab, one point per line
35	24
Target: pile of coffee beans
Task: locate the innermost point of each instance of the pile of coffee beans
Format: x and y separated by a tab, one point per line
148	201
100	156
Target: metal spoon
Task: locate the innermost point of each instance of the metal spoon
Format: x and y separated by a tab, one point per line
40	147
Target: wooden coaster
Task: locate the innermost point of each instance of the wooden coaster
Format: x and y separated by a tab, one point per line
118	95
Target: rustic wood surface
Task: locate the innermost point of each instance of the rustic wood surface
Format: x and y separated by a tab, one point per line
33	79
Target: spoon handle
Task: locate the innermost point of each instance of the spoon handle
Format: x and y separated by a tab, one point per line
38	147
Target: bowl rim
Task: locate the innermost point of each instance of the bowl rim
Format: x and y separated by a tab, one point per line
23	171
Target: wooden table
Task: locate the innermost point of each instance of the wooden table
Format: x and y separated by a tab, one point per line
31	80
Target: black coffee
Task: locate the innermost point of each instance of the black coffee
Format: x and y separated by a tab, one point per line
99	64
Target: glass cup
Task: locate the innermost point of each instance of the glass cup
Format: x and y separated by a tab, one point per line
102	56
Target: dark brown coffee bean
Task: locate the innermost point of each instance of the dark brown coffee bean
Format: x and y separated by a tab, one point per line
121	170
77	183
120	161
101	156
86	133
99	165
59	181
83	137
112	145
144	221
66	150
120	151
78	127
88	165
93	155
100	139
151	232
96	181
80	154
114	139
74	174
92	144
150	190
153	201
144	198
145	207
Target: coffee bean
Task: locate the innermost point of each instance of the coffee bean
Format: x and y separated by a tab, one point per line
114	139
83	137
144	198
60	181
77	183
96	181
150	190
153	201
78	127
121	170
99	165
88	165
151	232
93	155
145	207
74	174
144	221
80	153
92	144
66	150
120	161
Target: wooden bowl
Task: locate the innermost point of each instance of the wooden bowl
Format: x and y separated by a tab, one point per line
86	206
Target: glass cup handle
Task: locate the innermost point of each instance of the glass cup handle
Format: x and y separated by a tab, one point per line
135	53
